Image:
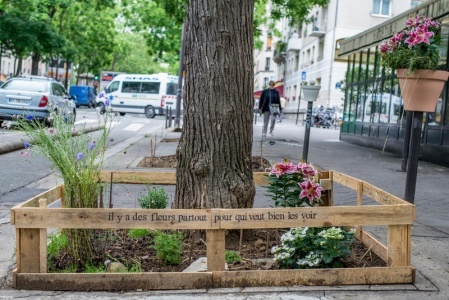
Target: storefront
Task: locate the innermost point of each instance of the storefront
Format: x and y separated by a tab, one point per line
373	113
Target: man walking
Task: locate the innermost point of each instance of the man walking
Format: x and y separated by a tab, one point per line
270	107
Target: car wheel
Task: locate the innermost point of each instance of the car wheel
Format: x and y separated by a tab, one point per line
122	114
102	107
150	112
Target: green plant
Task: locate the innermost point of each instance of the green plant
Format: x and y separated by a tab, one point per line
293	185
169	247
57	244
318	247
138	233
156	198
78	158
232	256
92	268
416	47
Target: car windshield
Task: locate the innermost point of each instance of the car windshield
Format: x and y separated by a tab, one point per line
26	85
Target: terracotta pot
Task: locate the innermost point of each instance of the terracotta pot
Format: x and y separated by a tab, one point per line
421	89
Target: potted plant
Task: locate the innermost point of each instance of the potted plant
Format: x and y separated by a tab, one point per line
414	53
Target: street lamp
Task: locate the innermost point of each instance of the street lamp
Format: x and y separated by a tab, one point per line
310	94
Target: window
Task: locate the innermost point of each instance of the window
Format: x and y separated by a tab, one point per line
131	87
150	88
172	88
267	64
113	87
265	81
381	7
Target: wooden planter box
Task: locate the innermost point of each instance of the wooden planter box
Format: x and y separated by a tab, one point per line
33	217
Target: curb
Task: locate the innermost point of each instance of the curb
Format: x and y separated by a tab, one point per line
7	147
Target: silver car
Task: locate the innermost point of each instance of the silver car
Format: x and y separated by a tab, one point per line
35	97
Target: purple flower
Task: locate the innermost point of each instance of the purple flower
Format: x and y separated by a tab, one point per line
107	102
30	117
79	156
26	145
92	145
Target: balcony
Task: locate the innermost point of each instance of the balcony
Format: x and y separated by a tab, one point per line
294	43
279	52
318	29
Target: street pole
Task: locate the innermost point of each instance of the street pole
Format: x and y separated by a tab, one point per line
299	102
412	166
180	73
310	94
406	145
305	148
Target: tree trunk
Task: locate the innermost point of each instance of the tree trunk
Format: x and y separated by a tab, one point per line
214	154
36	58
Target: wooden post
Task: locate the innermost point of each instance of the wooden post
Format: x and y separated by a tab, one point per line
43	242
359	202
399	245
215	240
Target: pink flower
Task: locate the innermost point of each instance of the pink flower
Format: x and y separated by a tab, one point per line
419	35
384	47
310	190
306	170
412	22
285	167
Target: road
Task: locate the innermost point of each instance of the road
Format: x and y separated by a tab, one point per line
22	177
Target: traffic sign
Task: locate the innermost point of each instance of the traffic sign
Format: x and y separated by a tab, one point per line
303	75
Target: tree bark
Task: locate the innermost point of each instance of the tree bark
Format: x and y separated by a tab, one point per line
36	58
215	151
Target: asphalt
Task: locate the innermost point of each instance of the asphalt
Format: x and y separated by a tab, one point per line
430	231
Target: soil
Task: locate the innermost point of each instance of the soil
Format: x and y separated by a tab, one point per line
254	249
253	246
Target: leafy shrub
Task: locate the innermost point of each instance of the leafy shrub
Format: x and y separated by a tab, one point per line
155	199
138	233
319	247
232	256
169	247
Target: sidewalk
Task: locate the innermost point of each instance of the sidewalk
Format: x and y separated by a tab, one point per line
430	231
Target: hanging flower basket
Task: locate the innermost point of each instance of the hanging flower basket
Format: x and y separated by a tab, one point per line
421	89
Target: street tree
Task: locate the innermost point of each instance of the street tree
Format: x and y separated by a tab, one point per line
215	151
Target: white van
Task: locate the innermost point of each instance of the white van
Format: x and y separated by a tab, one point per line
139	93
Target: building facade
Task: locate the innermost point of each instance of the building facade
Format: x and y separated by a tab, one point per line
373	114
310	51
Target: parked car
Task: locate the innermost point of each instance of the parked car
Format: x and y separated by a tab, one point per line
1	82
35	97
85	95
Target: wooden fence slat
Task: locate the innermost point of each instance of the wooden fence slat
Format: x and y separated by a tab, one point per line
163	178
215	240
345	180
99	218
399	245
51	195
43	242
113	281
375	245
314	277
28	250
380	195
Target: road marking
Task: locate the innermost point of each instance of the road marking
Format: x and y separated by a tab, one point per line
133	127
